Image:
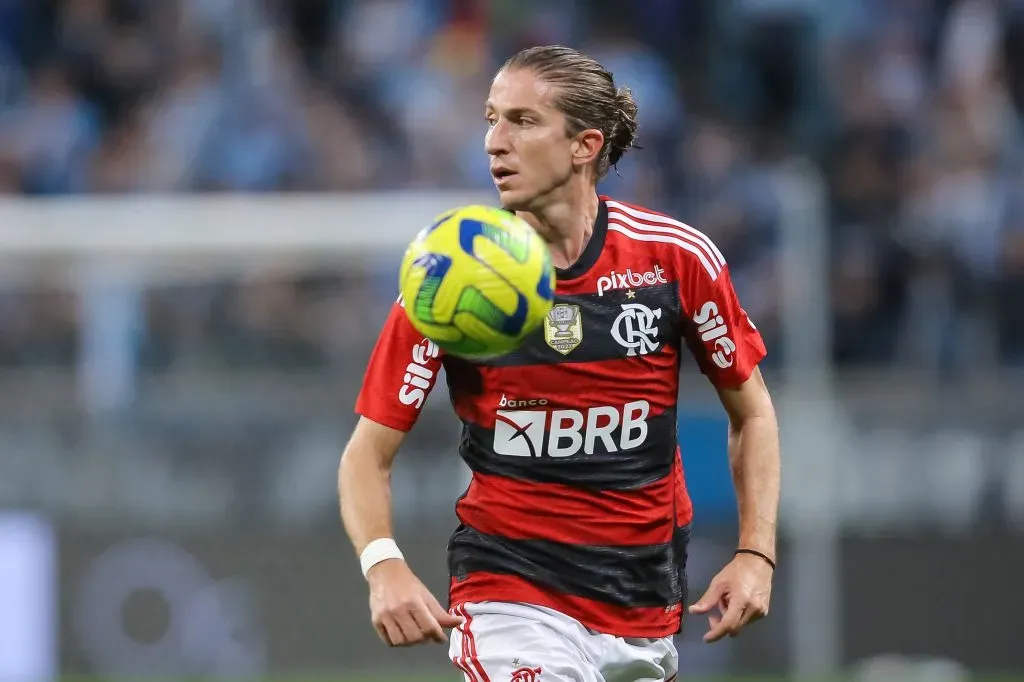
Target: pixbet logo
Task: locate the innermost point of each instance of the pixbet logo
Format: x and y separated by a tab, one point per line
713	330
629	279
564	433
418	377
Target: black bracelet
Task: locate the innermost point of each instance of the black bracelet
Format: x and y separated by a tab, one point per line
767	558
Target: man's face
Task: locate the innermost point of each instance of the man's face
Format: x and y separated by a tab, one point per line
529	150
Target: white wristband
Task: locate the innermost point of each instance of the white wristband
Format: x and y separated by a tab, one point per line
377	551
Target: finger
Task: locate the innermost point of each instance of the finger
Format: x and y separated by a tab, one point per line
708	601
752	614
741	623
428	624
410	630
734	614
716	633
443	618
448	620
713	621
749	615
392	632
382	632
729	623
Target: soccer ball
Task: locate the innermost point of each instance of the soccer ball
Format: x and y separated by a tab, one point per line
477	281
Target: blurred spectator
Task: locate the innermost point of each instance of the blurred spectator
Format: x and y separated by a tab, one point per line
49	133
911	109
182	114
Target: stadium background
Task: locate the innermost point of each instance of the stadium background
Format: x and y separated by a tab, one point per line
205	201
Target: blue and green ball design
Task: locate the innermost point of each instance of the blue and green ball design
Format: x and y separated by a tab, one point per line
477	281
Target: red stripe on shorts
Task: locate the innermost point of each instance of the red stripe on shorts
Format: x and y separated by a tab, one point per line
461	662
469	641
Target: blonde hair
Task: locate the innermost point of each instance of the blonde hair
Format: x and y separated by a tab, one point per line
587	95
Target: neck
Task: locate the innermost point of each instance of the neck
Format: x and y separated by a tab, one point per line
566	225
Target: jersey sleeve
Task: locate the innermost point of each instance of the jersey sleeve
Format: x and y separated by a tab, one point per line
722	338
402	371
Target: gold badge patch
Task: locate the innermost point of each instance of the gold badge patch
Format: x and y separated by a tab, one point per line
563	328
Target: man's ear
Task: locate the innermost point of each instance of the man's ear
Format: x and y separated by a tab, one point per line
587	146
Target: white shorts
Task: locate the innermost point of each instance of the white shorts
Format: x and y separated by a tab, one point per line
508	642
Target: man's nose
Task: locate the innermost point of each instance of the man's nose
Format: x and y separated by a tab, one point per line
496	142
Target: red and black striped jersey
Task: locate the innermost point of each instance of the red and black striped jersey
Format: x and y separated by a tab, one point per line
577	500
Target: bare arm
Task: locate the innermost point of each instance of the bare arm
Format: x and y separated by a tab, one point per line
741	592
364	482
755	461
403	610
400	375
728	349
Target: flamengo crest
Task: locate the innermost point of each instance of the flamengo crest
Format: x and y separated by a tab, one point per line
636	329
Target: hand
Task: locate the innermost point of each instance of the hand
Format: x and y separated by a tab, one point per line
402	609
741	593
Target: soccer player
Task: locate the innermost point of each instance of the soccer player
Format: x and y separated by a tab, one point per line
569	559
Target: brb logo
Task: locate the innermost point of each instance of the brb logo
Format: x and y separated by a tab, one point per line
636	329
712	328
418	377
629	279
564	433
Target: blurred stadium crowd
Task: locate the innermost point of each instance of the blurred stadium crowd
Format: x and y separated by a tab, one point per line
238	389
912	108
